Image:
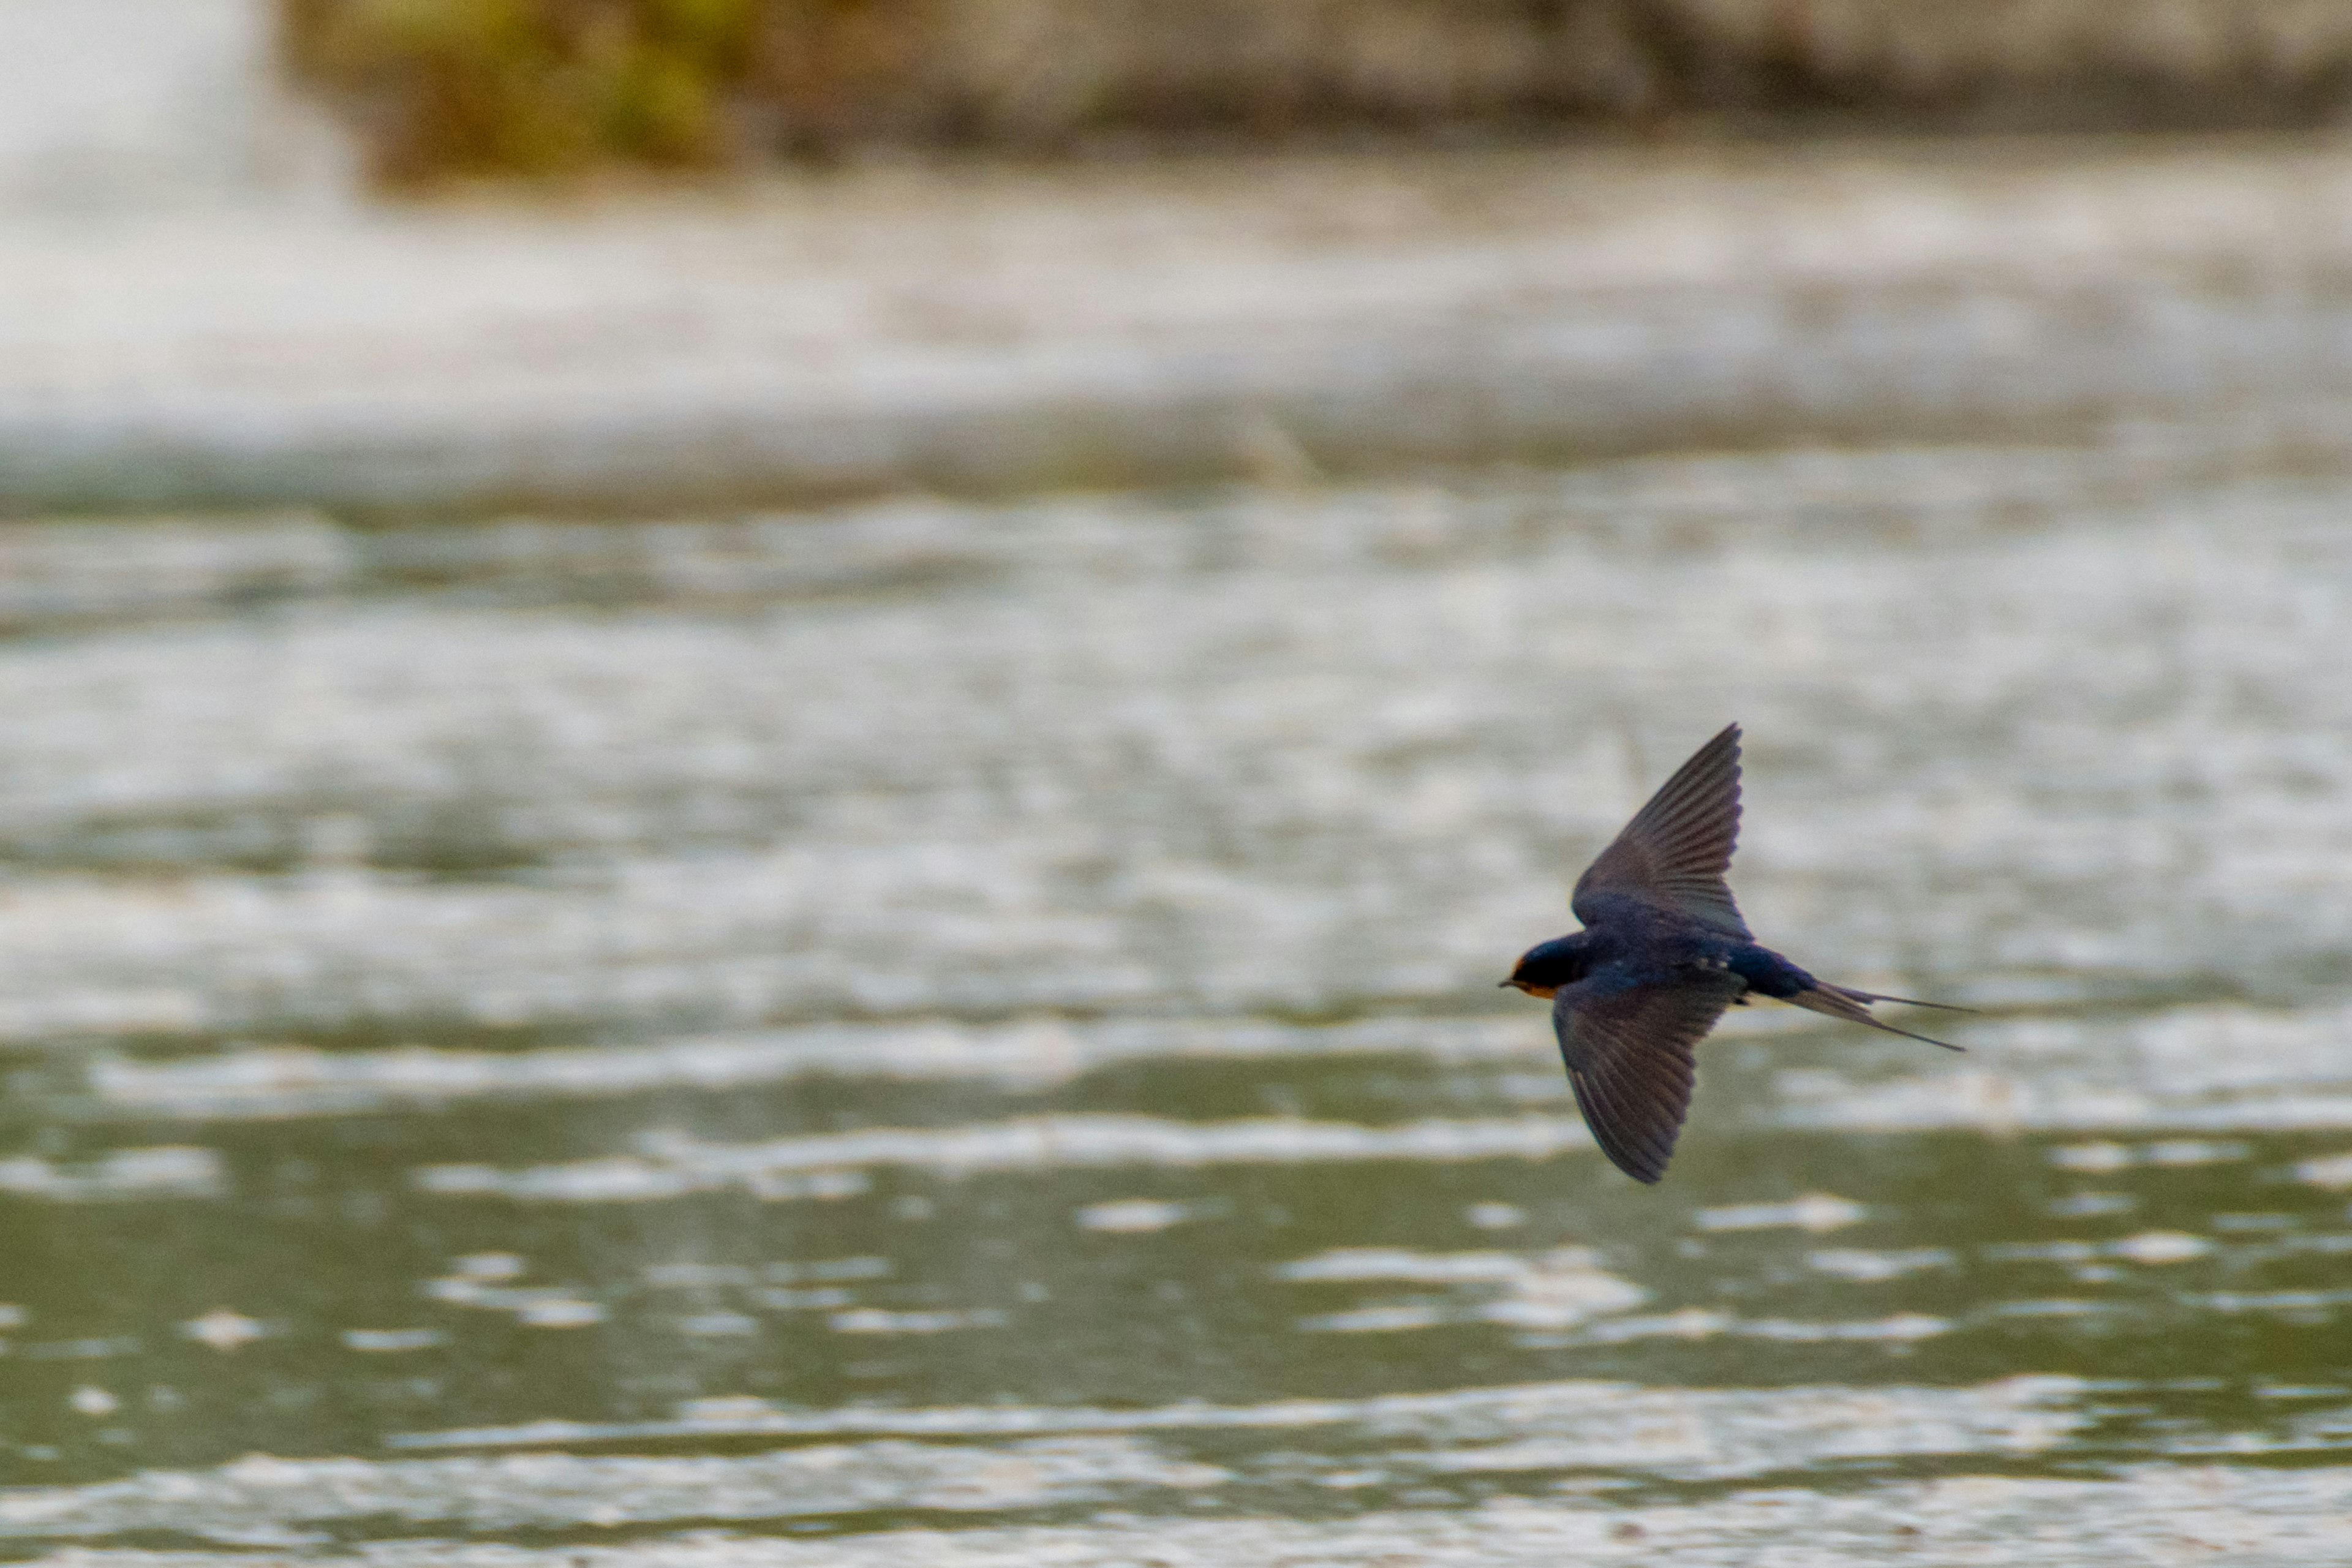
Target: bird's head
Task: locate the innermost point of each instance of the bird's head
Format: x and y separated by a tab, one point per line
1546	967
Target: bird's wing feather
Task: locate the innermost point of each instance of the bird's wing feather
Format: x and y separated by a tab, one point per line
1628	1052
1676	851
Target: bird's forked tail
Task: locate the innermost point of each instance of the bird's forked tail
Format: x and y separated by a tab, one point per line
1854	1006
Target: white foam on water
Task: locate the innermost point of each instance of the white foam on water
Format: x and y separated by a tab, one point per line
2160	1246
2263	1517
1133	1216
1550	1290
1901	1328
876	1321
559	1312
2105	1155
119	1174
2309	1304
2332	1171
391	1342
2051	1306
1866	1267
1396	1317
1736	1432
2177	1151
2098	1158
1075	787
224	1330
999	1460
1354	1263
1815	1212
2082	1206
816	1164
690	1275
271	1081
265	1500
1700	1323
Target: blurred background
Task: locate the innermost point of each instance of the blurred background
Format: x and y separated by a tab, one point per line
766	762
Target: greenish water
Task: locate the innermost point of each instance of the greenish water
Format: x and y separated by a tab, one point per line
948	1035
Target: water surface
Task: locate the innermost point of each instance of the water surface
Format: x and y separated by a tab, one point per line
963	1035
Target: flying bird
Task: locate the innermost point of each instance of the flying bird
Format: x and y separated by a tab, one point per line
1663	953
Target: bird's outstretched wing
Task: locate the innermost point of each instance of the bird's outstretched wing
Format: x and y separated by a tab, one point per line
1629	1059
1676	851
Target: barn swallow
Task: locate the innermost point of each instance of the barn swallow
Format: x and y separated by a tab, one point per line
1663	953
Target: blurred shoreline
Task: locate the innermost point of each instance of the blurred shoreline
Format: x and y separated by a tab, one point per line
552	85
984	328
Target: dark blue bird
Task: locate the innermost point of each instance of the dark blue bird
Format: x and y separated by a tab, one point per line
1663	953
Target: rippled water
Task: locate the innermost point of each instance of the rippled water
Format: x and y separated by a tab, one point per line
969	1034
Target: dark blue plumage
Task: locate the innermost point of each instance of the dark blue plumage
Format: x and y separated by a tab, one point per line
1663	953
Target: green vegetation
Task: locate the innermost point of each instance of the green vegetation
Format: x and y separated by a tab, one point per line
443	86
